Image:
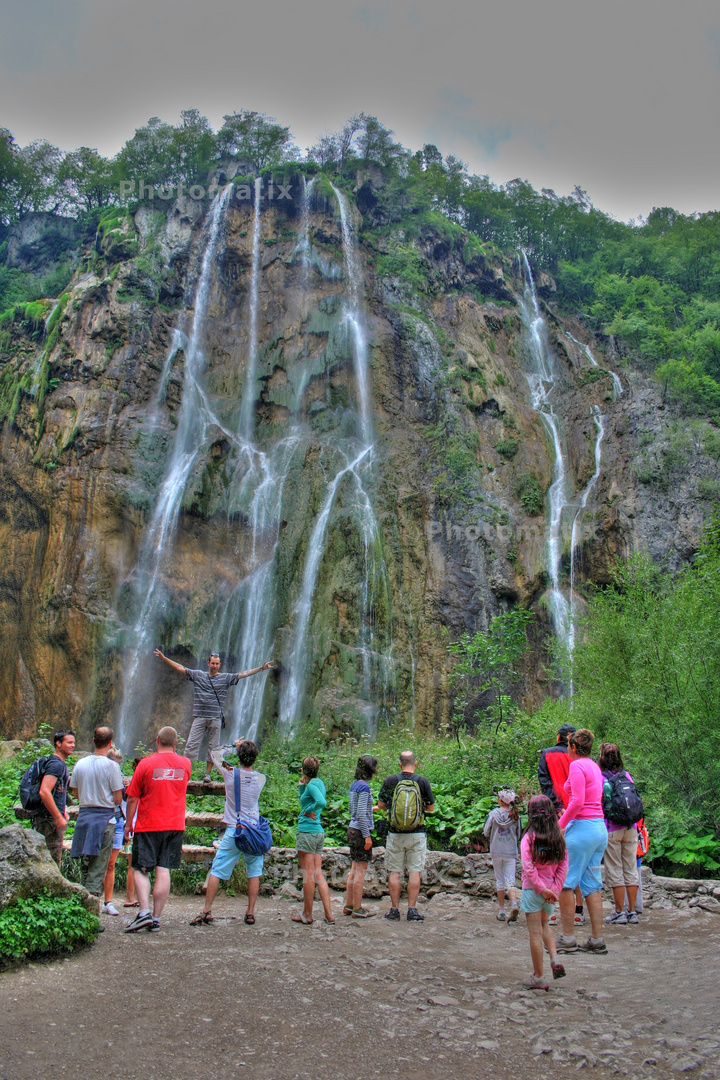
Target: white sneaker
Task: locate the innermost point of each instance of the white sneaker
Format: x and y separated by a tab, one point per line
109	909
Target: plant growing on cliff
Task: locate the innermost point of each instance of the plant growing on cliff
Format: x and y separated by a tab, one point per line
486	670
530	494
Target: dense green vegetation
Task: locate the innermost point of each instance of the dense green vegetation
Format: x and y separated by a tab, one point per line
43	925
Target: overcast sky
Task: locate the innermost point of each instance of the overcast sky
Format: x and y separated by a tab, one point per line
619	97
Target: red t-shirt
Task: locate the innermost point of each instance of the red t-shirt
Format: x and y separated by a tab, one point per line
160	782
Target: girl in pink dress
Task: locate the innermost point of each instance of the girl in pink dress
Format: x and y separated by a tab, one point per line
544	866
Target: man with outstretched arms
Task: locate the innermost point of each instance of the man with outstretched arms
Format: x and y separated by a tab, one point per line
209	696
157	791
52	818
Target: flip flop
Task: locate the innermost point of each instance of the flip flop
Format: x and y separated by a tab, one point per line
303	919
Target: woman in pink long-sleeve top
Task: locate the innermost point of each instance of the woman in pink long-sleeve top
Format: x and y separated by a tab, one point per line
544	866
586	839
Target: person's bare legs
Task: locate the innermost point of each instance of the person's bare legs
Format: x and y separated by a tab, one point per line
109	883
413	888
535	930
394	885
253	890
578	897
567	912
354	891
213	884
619	892
307	870
130	895
501	899
142	888
548	937
161	891
322	886
594	906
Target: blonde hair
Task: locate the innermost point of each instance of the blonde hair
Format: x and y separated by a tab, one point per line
115	755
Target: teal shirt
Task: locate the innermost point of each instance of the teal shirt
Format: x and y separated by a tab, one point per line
312	797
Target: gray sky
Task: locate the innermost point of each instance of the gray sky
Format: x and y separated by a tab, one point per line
619	97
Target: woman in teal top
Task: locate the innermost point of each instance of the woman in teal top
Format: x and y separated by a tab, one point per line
310	839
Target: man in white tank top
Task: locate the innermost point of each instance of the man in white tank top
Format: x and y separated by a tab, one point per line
226	858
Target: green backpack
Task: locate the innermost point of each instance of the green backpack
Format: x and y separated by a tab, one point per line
406	808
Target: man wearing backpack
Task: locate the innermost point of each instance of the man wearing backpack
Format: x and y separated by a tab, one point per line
408	798
48	814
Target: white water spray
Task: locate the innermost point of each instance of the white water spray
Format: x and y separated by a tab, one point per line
574	545
617	385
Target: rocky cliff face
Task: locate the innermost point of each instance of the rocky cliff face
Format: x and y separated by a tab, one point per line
196	469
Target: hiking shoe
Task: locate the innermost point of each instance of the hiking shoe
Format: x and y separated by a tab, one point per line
501	916
558	970
512	917
393	913
155	925
592	945
363	913
567	944
633	917
536	983
618	917
579	918
414	915
140	922
109	909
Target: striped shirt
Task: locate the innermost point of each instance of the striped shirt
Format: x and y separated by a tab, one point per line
205	704
361	816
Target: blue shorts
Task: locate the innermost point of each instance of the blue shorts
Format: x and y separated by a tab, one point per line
586	840
119	838
227	855
532	901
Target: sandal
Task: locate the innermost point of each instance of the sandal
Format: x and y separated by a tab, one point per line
249	919
347	910
135	903
302	917
203	919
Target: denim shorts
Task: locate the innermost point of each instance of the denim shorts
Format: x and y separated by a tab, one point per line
586	840
227	855
532	901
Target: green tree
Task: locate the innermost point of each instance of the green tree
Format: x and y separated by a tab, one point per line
486	670
255	139
86	180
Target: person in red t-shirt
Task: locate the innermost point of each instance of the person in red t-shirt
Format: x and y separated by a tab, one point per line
157	790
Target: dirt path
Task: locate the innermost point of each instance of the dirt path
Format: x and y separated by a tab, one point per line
440	1001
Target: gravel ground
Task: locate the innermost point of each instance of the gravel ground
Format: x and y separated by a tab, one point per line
442	999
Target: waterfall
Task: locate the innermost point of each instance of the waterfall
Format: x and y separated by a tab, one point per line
574	546
247	413
194	418
617	385
542	383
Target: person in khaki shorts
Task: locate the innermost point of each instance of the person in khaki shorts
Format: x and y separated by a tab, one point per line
405	848
620	859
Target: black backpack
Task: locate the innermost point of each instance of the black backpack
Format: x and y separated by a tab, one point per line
30	782
621	802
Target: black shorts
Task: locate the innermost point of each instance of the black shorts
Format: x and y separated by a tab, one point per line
151	849
358	852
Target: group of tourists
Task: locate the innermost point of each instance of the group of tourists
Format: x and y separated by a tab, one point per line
587	814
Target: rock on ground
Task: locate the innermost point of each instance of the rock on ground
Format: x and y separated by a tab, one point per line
27	868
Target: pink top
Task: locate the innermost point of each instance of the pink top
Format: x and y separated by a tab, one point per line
539	876
584	785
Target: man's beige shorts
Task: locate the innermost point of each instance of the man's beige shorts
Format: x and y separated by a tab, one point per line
405	851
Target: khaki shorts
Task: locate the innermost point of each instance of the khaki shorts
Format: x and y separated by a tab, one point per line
405	851
620	860
310	842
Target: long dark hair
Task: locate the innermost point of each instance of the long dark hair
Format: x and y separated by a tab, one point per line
548	843
610	759
366	768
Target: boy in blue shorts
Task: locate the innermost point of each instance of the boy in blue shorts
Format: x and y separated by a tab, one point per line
226	858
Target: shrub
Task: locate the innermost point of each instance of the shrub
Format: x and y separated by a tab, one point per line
508	448
530	494
44	924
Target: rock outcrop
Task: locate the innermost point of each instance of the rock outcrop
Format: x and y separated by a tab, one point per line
428	537
27	869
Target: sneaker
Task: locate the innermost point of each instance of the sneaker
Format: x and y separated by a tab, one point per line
414	915
393	913
535	983
592	945
362	913
552	921
512	917
501	916
155	925
109	909
567	944
633	917
207	779
579	918
618	917
140	922
558	970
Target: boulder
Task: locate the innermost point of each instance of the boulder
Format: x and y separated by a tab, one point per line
9	748
27	868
